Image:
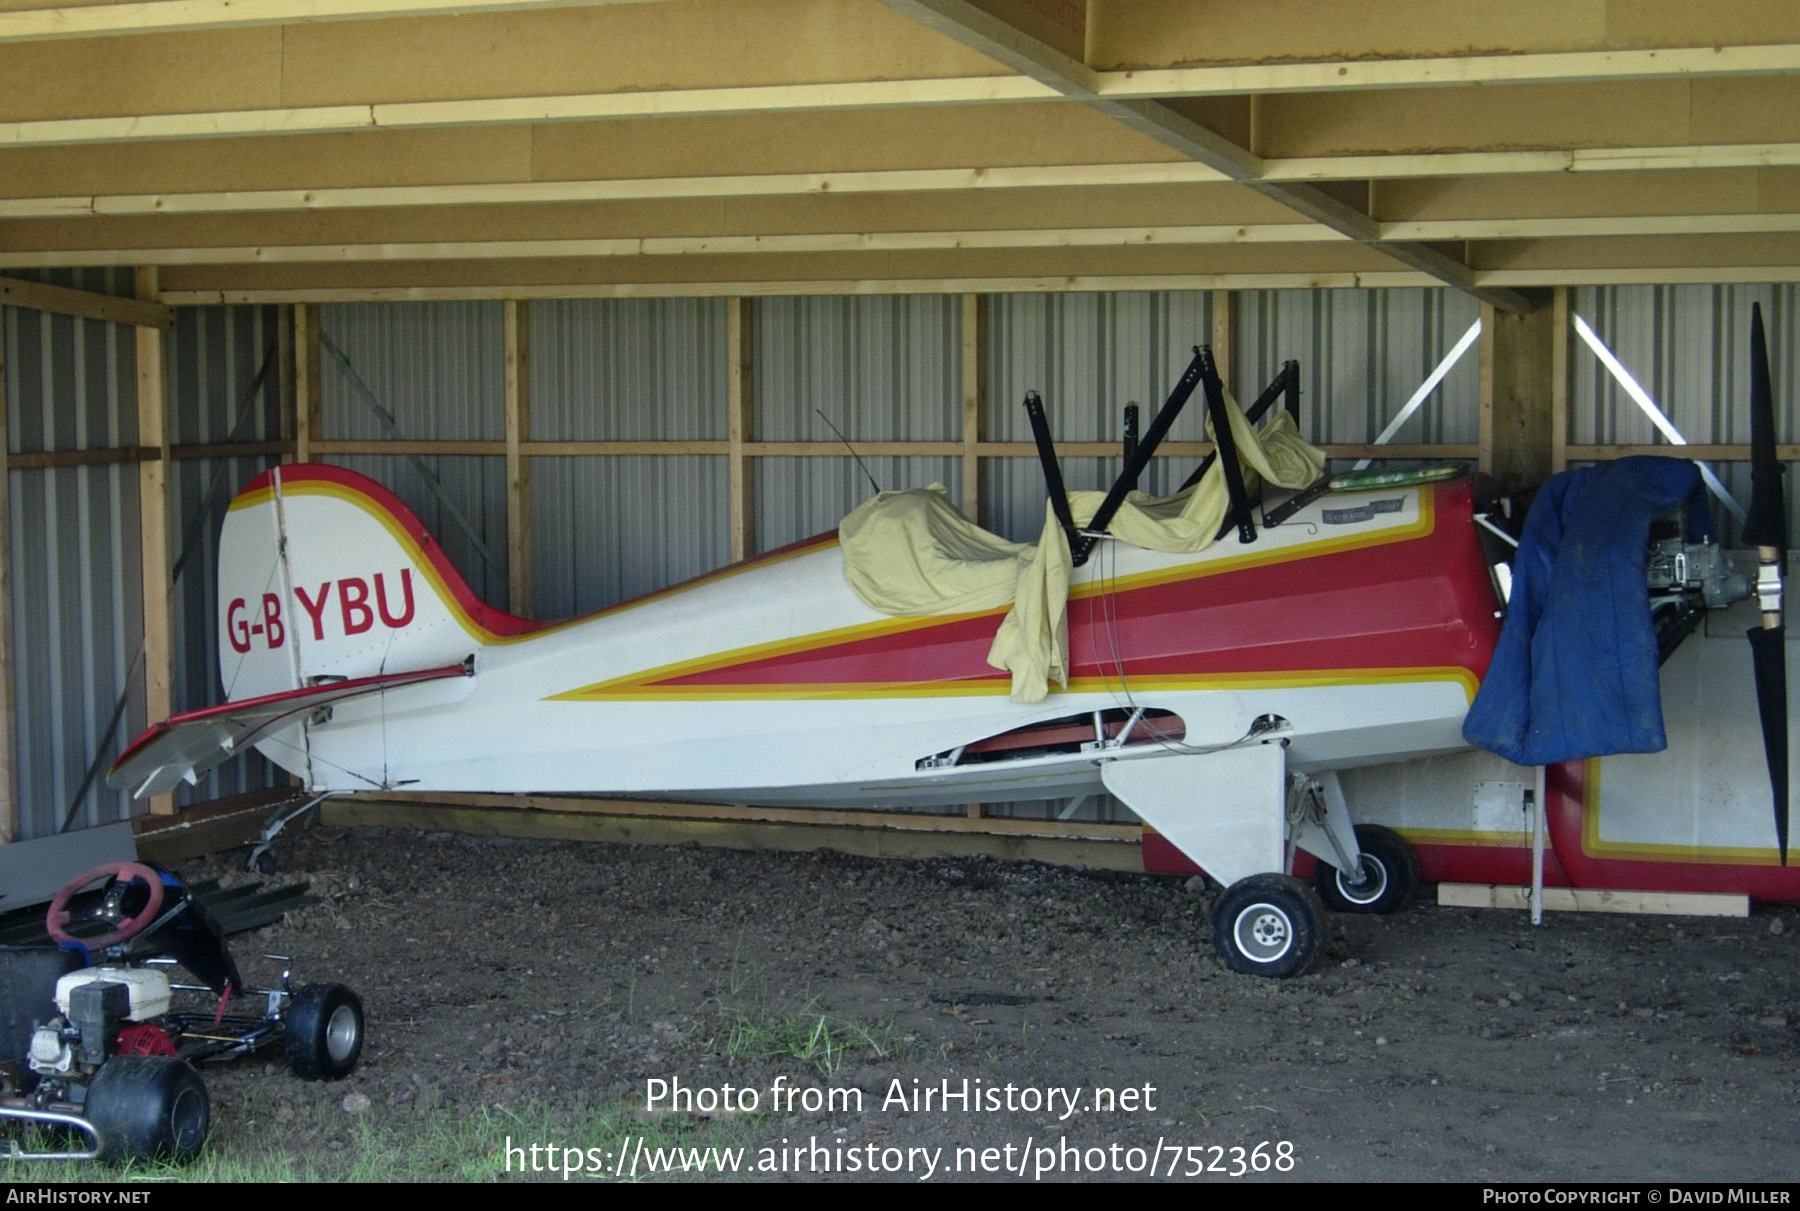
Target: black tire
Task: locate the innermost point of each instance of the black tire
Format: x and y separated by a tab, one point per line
1267	925
324	1032
1391	875
148	1107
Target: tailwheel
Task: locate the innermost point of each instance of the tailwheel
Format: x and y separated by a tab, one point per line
1387	877
1267	925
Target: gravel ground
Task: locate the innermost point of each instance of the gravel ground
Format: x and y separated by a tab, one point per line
1438	1044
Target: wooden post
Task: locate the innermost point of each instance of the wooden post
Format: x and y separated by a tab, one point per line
153	523
974	399
284	380
1224	336
306	380
10	824
518	464
1559	380
1517	395
738	396
974	409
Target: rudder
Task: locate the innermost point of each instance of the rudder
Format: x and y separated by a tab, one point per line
358	588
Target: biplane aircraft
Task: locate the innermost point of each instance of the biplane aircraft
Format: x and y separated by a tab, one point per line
1224	690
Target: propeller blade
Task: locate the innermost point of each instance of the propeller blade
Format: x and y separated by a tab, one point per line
1766	525
1768	657
1766	529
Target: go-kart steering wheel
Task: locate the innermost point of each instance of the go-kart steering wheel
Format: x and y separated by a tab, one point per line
111	907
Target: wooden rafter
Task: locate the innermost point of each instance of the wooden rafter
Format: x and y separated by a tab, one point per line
802	146
976	28
175	16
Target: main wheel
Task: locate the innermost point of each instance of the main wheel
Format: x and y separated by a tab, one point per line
148	1107
1267	925
1390	875
324	1032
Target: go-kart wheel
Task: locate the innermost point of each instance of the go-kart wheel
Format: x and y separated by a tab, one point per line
1267	925
324	1032
124	876
1390	875
148	1107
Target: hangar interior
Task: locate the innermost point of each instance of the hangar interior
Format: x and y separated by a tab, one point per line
592	286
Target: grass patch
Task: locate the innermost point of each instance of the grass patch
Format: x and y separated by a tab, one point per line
818	1040
446	1146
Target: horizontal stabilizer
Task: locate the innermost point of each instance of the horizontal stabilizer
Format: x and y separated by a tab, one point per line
190	744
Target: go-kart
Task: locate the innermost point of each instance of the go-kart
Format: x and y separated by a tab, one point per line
100	1048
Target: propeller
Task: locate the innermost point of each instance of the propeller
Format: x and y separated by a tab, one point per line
1766	530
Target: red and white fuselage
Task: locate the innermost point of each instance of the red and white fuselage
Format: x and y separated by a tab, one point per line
1363	624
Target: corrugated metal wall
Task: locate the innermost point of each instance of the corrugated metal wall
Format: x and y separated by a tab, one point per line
439	370
628	370
1362	354
607	529
76	569
1087	356
1689	348
799	497
225	387
881	369
611	527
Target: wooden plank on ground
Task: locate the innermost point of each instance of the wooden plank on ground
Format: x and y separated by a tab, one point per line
1089	830
1588	899
732	834
208	828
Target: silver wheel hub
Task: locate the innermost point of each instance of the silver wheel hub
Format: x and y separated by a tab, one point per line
341	1033
1370	887
1263	932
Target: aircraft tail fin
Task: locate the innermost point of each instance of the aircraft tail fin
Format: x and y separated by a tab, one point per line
324	574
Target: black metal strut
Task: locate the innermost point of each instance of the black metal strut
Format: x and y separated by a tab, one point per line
1053	480
1285	386
1225	445
1083	546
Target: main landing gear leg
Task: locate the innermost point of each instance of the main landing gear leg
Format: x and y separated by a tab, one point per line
1365	869
1228	812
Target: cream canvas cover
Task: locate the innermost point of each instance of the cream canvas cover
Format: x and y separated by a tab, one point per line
912	553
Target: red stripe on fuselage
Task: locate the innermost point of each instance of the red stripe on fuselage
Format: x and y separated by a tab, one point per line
1422	602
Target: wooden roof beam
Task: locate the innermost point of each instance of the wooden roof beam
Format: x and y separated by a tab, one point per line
617	189
976	28
402	115
1352	75
908	180
517	249
174	16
